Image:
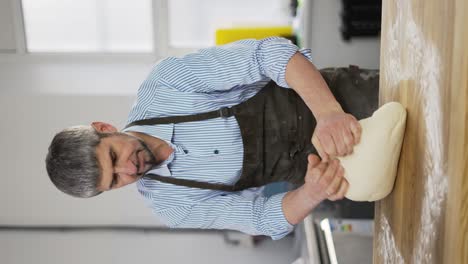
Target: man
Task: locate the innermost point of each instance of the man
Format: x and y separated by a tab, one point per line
216	124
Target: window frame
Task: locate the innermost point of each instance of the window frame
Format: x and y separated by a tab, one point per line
161	46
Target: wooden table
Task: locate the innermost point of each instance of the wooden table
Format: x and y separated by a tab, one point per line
424	65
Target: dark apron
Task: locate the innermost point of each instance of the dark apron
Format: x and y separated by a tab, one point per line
277	127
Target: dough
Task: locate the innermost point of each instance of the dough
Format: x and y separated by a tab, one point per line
372	168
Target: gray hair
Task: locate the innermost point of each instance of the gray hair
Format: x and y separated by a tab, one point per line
72	163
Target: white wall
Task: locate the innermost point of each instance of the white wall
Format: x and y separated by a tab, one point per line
7	37
324	38
125	248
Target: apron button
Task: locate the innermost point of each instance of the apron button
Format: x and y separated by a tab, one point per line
300	117
216	151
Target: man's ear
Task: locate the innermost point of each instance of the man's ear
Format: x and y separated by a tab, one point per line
103	127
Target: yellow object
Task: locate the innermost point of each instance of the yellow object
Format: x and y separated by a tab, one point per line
227	35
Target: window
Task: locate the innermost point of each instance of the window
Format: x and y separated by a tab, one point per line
88	25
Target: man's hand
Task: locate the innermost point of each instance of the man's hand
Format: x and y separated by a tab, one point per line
324	180
336	134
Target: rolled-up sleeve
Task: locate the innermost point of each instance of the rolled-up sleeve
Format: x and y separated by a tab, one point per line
256	215
224	67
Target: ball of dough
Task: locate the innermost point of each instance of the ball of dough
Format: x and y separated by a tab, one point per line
372	168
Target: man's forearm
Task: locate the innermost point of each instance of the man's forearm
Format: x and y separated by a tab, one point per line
306	80
297	204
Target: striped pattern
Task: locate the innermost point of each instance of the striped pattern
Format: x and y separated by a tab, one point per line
211	150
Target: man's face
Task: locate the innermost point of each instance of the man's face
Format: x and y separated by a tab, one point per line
122	159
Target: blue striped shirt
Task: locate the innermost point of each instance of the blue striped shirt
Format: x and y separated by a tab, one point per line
210	150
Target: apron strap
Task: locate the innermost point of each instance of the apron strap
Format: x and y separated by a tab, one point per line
222	112
191	183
